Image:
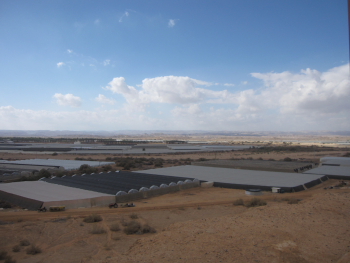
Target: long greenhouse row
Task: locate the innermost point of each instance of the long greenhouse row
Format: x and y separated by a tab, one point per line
117	182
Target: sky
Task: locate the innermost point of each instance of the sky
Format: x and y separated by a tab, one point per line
174	65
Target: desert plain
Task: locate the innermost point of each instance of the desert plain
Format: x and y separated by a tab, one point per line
194	225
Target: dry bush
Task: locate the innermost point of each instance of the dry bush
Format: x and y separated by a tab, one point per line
134	216
293	201
181	208
123	222
148	229
115	227
255	202
3	255
238	202
97	230
116	238
16	248
33	250
24	242
92	218
132	228
9	260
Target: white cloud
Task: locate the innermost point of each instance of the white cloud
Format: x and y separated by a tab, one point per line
60	64
69	51
106	62
308	91
126	14
229	85
97	22
244	82
102	99
171	23
67	100
167	89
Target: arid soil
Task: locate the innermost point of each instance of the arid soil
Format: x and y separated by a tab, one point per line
195	225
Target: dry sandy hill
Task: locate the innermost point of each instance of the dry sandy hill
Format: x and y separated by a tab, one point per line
195	225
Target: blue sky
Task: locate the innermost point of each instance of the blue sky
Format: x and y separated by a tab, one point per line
174	65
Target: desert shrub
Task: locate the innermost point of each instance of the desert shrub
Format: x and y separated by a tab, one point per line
148	229
293	201
134	216
3	255
201	160
24	242
260	159
16	248
54	154
123	222
97	230
181	208
116	238
132	228
255	202
272	159
92	218
115	227
87	169
108	159
33	250
9	260
238	202
287	159
44	173
347	154
106	168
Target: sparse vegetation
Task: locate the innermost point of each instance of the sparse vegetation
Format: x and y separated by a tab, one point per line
255	202
293	201
115	227
92	218
9	260
238	202
132	228
134	216
16	248
33	250
3	255
148	229
97	230
24	242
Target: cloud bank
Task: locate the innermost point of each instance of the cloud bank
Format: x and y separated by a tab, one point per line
67	100
285	101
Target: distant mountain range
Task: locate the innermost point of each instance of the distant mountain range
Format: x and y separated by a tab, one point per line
47	133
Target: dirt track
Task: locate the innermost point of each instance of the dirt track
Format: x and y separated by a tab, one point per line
195	225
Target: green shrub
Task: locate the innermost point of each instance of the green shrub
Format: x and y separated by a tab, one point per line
92	218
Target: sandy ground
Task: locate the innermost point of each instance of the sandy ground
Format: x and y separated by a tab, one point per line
195	225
